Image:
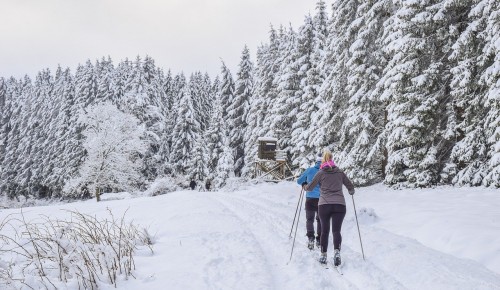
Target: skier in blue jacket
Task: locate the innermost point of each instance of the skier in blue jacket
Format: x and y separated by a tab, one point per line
312	198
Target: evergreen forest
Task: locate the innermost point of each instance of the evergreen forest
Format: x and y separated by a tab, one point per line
404	92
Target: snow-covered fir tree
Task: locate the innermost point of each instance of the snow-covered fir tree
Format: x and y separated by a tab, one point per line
333	67
185	134
199	86
237	109
309	77
491	78
214	136
226	89
254	119
265	88
287	81
105	71
360	157
225	164
414	95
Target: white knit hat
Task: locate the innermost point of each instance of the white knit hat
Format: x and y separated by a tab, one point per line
319	157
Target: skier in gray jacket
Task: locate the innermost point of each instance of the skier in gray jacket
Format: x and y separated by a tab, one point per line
331	204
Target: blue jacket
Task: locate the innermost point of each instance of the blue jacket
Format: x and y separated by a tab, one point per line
308	176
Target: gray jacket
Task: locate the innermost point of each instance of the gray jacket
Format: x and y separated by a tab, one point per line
330	181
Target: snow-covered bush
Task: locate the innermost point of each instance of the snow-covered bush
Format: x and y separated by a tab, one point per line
22	201
79	252
181	181
239	183
161	186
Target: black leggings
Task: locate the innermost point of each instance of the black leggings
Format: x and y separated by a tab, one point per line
336	212
311	215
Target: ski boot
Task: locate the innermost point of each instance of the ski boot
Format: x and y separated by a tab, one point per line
336	258
310	244
318	244
322	258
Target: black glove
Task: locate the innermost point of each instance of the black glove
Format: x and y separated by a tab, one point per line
351	192
304	184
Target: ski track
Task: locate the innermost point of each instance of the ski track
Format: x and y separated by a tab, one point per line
391	261
262	226
256	252
365	276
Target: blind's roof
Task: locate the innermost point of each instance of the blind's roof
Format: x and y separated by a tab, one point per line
267	139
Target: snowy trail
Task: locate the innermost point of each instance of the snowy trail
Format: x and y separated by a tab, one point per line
239	240
264	221
264	210
203	245
393	260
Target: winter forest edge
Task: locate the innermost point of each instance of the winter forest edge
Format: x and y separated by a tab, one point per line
403	92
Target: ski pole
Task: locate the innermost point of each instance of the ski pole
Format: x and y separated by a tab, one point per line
298	204
359	233
296	227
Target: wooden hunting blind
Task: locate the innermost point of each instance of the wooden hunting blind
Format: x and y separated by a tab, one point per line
267	148
271	164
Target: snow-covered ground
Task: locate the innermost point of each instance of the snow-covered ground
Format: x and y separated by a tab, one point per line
444	238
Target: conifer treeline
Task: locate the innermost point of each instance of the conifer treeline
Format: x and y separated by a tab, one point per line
405	92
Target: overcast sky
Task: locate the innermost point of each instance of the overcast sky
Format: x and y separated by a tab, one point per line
183	35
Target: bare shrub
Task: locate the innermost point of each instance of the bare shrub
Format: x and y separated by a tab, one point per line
82	250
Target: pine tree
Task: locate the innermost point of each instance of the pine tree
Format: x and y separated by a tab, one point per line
330	114
466	108
66	161
214	136
198	166
105	71
226	89
265	88
200	87
225	164
15	176
237	110
143	99
4	116
3	99
414	94
121	75
491	78
165	139
359	156
287	83
255	117
184	135
303	154
32	165
85	85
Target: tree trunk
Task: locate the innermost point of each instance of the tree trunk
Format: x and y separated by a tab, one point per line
97	194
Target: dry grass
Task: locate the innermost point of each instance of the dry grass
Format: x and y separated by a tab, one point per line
82	248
